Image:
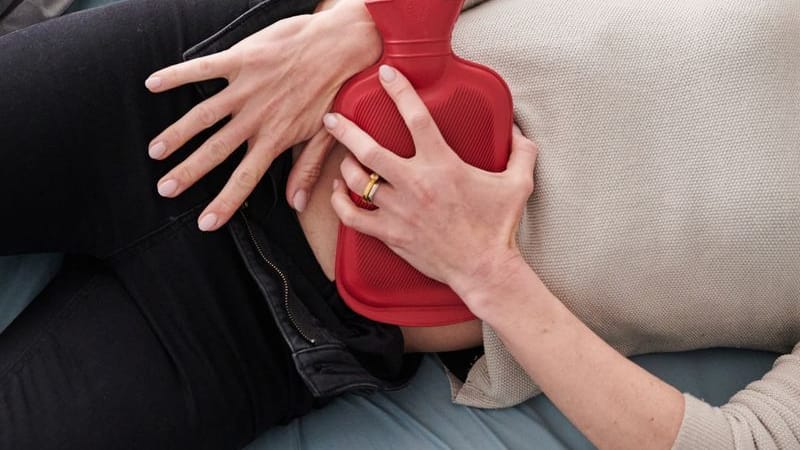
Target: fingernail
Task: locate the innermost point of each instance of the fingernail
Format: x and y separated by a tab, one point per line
300	200
330	120
157	150
168	188
152	83
387	73
208	222
335	184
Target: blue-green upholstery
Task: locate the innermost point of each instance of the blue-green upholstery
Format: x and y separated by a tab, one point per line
87	4
421	416
21	279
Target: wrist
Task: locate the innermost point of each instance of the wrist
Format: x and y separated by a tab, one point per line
500	288
356	36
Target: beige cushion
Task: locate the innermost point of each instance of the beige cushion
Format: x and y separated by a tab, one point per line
667	206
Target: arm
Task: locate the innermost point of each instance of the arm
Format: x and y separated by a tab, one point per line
457	224
614	402
766	414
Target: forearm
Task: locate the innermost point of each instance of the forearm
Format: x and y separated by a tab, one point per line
615	403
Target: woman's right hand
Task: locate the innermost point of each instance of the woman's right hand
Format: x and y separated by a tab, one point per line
452	221
281	81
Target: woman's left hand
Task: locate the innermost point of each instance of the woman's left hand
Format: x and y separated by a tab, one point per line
452	221
281	80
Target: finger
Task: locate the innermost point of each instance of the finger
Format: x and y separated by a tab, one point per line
241	184
192	71
418	119
202	116
208	156
385	163
307	169
522	161
362	220
357	180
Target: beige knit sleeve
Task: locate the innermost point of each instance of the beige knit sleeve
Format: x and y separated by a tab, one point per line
764	415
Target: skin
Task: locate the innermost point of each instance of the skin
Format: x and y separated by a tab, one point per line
615	403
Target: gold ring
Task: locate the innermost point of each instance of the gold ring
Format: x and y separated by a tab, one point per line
372	187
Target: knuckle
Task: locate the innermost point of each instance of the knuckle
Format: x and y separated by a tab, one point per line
350	178
427	196
374	156
531	147
344	165
311	172
525	184
252	55
187	173
308	172
217	150
204	66
340	132
425	193
205	115
420	121
396	238
348	217
450	172
226	204
174	135
246	179
415	220
404	89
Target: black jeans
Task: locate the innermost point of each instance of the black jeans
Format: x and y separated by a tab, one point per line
154	335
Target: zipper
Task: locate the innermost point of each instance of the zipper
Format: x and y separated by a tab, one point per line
283	278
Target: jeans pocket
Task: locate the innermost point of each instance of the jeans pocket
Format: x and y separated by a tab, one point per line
261	14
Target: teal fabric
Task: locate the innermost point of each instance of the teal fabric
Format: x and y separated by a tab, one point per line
87	4
21	279
421	416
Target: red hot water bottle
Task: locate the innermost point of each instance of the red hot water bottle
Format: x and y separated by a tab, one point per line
471	105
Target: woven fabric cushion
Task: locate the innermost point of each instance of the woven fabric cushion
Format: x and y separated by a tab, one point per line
667	207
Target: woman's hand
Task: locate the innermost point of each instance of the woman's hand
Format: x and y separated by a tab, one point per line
281	81
452	221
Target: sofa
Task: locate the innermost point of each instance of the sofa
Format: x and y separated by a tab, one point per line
422	416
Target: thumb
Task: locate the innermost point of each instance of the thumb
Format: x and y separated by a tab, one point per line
307	169
522	160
